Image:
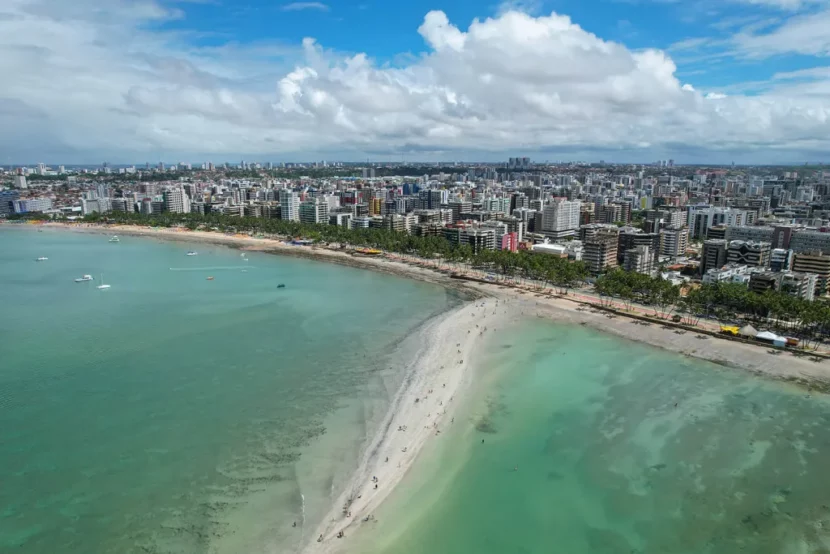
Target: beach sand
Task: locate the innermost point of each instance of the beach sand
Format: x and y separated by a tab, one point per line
420	411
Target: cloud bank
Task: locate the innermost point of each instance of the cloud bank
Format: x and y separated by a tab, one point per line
99	81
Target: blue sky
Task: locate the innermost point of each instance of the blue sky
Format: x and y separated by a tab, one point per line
387	30
129	80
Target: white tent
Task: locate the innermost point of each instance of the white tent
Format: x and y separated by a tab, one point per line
767	336
748	331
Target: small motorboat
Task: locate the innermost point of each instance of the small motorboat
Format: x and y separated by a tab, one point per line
115	239
84	279
281	286
192	253
210	278
42	259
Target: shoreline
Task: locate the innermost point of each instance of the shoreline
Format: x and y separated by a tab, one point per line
755	359
425	405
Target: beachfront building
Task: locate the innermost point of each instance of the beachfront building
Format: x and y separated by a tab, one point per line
7	198
817	264
800	285
314	211
631	238
600	252
29	205
289	205
560	219
730	273
639	260
175	201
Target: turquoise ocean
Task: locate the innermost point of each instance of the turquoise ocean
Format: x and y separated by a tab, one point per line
597	445
173	414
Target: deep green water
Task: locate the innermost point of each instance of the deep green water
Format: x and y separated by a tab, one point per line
171	414
620	449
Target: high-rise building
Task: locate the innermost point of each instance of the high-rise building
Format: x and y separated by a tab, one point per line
815	263
32	205
176	201
632	238
674	241
600	252
20	182
752	254
714	255
639	260
781	260
7	198
560	219
314	211
289	205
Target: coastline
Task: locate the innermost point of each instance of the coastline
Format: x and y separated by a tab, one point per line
755	359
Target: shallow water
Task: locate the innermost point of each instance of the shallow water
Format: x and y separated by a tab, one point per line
175	414
593	444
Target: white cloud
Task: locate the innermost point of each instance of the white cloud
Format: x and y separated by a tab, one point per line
784	4
804	34
299	6
94	84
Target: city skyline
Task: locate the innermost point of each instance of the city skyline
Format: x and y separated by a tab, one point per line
742	81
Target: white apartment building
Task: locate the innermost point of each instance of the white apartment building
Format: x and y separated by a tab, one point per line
560	219
289	205
673	242
702	218
176	201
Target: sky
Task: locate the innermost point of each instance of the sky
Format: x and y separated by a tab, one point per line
697	81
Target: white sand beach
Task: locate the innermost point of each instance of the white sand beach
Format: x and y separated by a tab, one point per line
420	411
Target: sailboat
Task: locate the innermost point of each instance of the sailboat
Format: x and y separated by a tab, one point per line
102	285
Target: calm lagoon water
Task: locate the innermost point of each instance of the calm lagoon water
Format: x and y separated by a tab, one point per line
171	414
619	449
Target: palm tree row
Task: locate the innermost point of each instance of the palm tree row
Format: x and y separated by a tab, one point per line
726	302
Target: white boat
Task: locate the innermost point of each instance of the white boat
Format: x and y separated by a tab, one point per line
84	279
115	239
192	253
42	259
102	285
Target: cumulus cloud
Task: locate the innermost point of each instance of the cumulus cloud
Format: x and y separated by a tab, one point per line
93	83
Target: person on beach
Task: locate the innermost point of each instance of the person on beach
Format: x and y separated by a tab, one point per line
320	538
295	524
